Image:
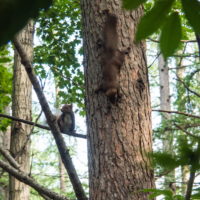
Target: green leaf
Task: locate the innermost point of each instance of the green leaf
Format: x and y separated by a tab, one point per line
178	197
171	35
153	19
157	192
132	4
191	9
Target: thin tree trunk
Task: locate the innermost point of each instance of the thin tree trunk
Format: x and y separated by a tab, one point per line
119	135
181	107
63	178
22	98
165	104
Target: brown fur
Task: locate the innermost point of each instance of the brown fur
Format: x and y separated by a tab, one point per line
66	121
112	58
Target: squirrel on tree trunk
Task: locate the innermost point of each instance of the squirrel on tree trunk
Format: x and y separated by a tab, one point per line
112	58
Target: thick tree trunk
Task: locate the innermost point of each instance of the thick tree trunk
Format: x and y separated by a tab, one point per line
22	98
166	105
119	135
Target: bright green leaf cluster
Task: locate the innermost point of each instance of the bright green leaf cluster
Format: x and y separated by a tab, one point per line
5	84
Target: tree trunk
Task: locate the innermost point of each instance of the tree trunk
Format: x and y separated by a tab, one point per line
22	98
166	105
119	135
181	102
63	177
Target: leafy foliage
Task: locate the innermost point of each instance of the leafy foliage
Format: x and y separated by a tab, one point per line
153	19
168	194
164	15
60	31
5	84
15	13
192	12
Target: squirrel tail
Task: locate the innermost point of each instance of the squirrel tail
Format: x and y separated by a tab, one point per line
110	33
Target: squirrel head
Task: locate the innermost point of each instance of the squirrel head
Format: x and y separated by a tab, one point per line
67	108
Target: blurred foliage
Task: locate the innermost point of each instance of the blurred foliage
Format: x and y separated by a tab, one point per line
14	15
171	17
5	84
61	46
45	164
168	194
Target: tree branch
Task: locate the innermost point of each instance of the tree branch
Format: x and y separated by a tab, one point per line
9	158
190	90
188	133
177	112
21	176
51	120
39	125
190	184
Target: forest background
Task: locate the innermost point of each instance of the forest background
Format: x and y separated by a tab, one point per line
174	89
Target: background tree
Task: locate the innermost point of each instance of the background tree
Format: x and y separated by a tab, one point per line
186	151
21	108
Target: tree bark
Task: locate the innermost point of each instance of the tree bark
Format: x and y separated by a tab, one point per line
63	176
119	135
22	102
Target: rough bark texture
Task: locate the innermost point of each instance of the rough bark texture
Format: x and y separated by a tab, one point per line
119	135
165	104
22	98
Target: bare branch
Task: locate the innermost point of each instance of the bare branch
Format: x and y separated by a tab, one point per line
177	112
192	91
39	125
9	158
23	177
51	120
188	133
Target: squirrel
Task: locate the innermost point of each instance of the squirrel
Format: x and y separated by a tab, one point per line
112	58
66	120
